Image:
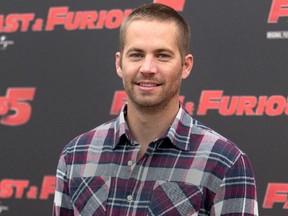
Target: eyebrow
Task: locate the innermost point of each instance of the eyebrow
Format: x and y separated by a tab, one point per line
134	50
156	51
165	50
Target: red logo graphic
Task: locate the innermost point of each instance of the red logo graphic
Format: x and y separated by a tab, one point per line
279	8
20	189
62	16
120	98
12	22
71	20
85	19
276	193
215	100
14	108
177	5
242	105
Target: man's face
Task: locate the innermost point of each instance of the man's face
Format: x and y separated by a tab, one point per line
150	65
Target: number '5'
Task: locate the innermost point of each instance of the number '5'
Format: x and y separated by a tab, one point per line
16	100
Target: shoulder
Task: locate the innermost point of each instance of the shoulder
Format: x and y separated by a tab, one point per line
192	135
217	145
219	156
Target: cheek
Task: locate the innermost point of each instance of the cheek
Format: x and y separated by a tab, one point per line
177	76
129	72
126	79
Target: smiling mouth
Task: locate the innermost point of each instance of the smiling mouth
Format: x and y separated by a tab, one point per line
148	84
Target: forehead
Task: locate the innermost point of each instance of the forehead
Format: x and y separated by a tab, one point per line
148	32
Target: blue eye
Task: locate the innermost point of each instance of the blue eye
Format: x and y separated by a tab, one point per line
163	56
136	55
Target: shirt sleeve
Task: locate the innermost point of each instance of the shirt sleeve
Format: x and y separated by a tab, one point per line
62	205
237	193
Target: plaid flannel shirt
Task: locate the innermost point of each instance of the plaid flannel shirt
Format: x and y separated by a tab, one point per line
191	171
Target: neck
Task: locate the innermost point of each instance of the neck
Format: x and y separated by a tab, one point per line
146	125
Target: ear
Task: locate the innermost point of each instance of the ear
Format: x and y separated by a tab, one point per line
118	64
187	66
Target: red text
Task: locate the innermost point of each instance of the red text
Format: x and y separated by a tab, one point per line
242	105
19	189
279	8
177	5
14	107
276	193
14	22
61	16
210	100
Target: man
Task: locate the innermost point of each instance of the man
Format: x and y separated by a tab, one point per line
154	159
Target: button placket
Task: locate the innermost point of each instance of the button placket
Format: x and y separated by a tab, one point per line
130	163
129	198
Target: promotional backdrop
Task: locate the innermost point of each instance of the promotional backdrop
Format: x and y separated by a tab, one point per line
58	80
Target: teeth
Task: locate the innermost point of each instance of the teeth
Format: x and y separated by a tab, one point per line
147	84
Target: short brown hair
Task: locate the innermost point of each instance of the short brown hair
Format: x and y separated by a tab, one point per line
160	12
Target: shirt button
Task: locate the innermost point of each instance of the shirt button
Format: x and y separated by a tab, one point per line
130	163
129	198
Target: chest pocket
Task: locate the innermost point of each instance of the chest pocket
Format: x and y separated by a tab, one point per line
175	198
89	194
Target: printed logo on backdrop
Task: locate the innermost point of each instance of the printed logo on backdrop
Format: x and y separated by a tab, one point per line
23	189
177	5
276	193
15	107
278	17
224	105
70	20
63	17
5	42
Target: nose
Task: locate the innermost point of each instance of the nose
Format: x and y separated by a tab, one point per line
148	65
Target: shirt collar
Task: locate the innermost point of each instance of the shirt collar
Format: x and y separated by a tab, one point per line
179	133
121	127
182	129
